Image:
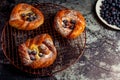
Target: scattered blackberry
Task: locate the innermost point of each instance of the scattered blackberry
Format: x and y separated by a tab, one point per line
34	52
72	21
32	57
72	27
110	12
41	55
69	24
29	16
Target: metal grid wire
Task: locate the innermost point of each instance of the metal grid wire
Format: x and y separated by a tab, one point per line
69	51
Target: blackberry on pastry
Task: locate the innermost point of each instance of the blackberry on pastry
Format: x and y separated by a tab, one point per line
26	17
69	23
38	52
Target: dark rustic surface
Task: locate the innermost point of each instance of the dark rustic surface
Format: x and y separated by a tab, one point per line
101	60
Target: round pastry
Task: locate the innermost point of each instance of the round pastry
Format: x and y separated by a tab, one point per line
38	52
69	23
26	17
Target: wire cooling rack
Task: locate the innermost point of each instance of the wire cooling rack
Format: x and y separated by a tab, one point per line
69	51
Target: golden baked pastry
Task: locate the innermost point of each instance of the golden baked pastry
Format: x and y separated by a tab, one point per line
38	52
26	17
69	23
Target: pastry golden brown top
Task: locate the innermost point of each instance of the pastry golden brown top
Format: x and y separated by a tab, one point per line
38	52
69	23
26	17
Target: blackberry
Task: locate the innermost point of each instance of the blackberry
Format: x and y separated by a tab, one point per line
65	22
33	52
72	21
72	27
41	54
29	16
32	57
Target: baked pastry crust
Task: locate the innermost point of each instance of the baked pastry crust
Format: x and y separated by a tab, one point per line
45	52
26	17
69	23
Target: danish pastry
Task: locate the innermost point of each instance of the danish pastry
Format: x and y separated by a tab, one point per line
26	17
38	52
69	23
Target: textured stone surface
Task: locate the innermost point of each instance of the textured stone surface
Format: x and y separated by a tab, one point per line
102	55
